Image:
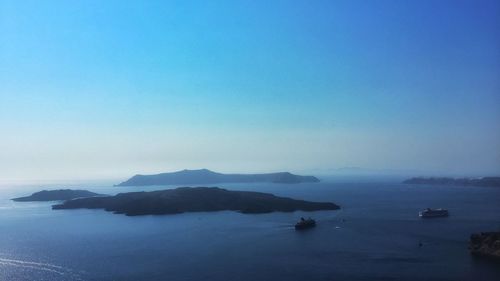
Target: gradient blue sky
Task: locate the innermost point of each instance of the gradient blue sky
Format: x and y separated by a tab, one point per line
107	89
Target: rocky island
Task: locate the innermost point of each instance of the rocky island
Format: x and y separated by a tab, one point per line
55	195
485	244
205	176
485	181
194	199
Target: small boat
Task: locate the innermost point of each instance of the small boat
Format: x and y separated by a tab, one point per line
305	223
433	213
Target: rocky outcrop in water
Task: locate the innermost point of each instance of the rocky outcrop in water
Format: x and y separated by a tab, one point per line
55	195
485	244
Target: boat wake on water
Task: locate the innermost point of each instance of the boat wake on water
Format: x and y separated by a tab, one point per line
48	268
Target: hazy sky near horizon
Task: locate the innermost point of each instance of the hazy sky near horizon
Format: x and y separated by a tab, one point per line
108	89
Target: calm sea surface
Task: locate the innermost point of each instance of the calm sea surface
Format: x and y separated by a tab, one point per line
375	236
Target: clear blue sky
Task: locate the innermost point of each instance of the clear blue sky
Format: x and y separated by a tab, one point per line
100	89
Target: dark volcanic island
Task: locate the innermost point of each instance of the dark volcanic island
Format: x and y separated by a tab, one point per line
55	195
205	176
194	199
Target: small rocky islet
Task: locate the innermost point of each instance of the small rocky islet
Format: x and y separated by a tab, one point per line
485	244
56	195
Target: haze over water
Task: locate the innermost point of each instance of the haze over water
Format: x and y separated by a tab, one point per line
105	90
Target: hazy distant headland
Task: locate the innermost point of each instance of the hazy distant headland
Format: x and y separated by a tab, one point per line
194	199
485	181
55	195
205	176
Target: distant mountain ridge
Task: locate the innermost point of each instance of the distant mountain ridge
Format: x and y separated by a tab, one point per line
204	176
485	181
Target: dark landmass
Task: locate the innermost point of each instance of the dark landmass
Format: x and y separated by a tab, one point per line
55	195
486	181
194	199
205	176
485	244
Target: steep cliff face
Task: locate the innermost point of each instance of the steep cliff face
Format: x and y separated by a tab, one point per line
485	244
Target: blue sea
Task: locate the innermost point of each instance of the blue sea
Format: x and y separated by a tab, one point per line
375	236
